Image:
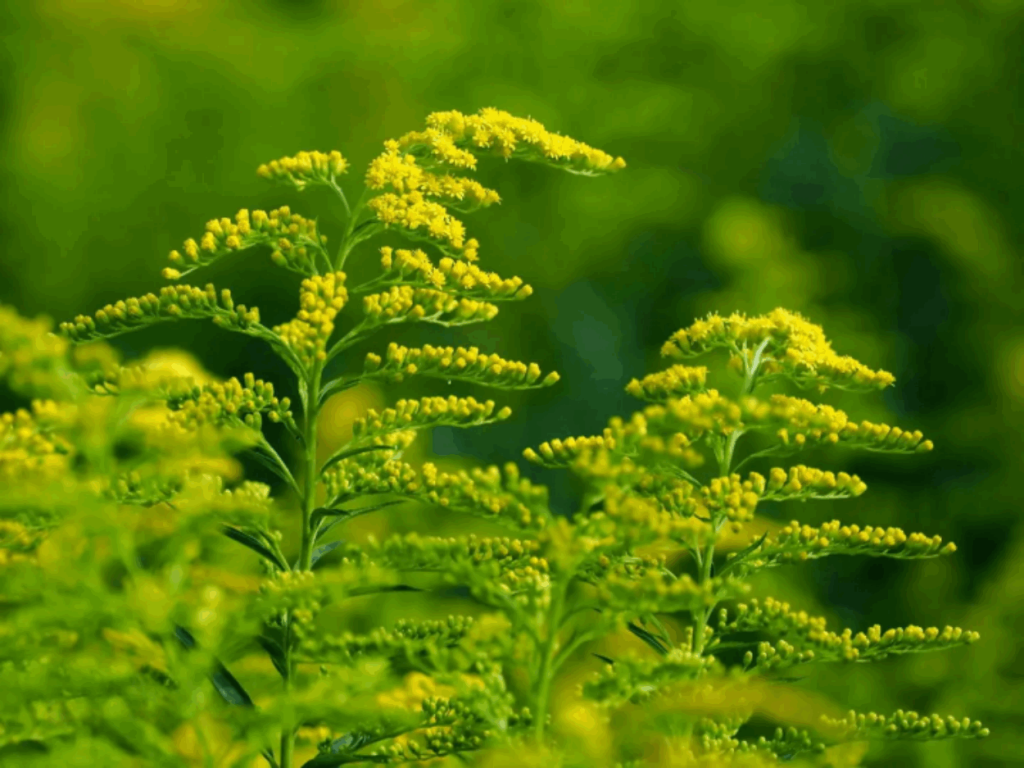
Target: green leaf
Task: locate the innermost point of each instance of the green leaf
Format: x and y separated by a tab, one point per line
346	514
276	654
254	544
336	386
341	455
319	552
226	684
738	558
360	591
648	638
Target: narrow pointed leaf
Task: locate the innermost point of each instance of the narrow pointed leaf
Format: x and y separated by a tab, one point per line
347	514
319	552
250	541
342	455
648	638
336	386
740	556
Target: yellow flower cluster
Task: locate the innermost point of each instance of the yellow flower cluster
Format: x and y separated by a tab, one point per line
401	172
635	679
455	363
419	217
460	277
674	382
796	349
406	637
810	640
294	238
450	134
174	303
321	298
305	168
796	542
17	542
228	404
695	415
660	593
732	496
468	278
29	450
402	303
300	592
800	421
903	725
413	266
507	497
636	520
427	412
156	372
802	482
561	453
30	355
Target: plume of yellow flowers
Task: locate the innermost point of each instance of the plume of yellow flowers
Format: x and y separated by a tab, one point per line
419	200
321	298
790	347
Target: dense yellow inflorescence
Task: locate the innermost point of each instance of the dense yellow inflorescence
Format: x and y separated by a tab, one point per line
401	303
468	364
797	542
794	348
905	725
450	134
677	381
31	357
228	403
419	202
461	277
305	168
806	638
800	421
321	298
426	412
27	449
420	217
174	302
294	239
402	173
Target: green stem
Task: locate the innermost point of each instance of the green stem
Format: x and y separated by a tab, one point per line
546	669
725	457
308	500
353	217
702	615
310	466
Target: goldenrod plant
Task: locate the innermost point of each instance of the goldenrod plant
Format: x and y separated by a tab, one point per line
159	609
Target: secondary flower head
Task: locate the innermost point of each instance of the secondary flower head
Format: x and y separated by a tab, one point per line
305	168
791	347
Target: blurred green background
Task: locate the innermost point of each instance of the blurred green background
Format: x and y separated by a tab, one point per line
856	160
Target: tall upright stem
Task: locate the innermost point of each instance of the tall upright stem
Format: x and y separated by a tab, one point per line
310	466
308	502
725	459
548	649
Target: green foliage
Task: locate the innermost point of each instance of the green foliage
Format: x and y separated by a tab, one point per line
155	615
